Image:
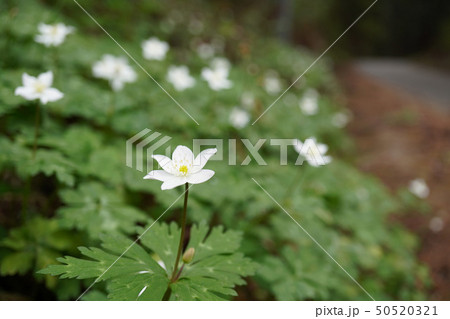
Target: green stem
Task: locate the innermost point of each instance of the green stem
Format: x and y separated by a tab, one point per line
36	129
112	106
183	230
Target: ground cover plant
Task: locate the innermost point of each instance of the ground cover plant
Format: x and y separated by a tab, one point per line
71	208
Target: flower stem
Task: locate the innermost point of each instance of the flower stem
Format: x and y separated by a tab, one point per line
36	129
183	230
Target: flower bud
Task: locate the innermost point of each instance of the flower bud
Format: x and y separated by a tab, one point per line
188	255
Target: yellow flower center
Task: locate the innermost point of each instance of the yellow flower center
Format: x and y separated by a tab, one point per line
54	30
39	87
184	169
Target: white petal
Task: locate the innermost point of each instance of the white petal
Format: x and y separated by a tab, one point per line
27	93
158	175
117	84
165	163
44	28
202	158
327	159
28	80
51	95
173	182
313	162
200	177
46	78
182	154
322	148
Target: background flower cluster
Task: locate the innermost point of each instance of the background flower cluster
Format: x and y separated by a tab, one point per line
77	189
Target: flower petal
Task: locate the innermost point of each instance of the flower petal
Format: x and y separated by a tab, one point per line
158	175
46	78
27	93
165	163
51	95
117	84
202	158
44	28
200	177
28	80
322	148
183	154
173	182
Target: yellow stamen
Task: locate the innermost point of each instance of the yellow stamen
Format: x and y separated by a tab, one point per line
184	169
39	87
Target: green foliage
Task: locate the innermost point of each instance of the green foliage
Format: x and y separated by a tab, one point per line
216	268
94	208
34	246
78	185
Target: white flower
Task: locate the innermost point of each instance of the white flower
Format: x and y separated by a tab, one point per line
182	168
217	78
220	63
239	118
340	119
180	78
39	88
309	102
272	84
155	49
114	69
419	188
313	153
436	224
52	35
205	51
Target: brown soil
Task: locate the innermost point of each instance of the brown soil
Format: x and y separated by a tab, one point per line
400	138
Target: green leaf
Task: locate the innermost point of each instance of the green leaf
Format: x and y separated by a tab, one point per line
97	209
16	263
132	274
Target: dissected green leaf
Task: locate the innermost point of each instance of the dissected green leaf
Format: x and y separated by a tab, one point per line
97	209
132	273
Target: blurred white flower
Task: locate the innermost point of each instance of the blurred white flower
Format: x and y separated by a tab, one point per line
52	34
340	119
436	224
309	102
239	118
155	49
182	168
180	78
217	78
39	88
272	84
314	153
114	69
205	50
419	188
220	63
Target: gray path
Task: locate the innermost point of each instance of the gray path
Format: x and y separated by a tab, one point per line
426	83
